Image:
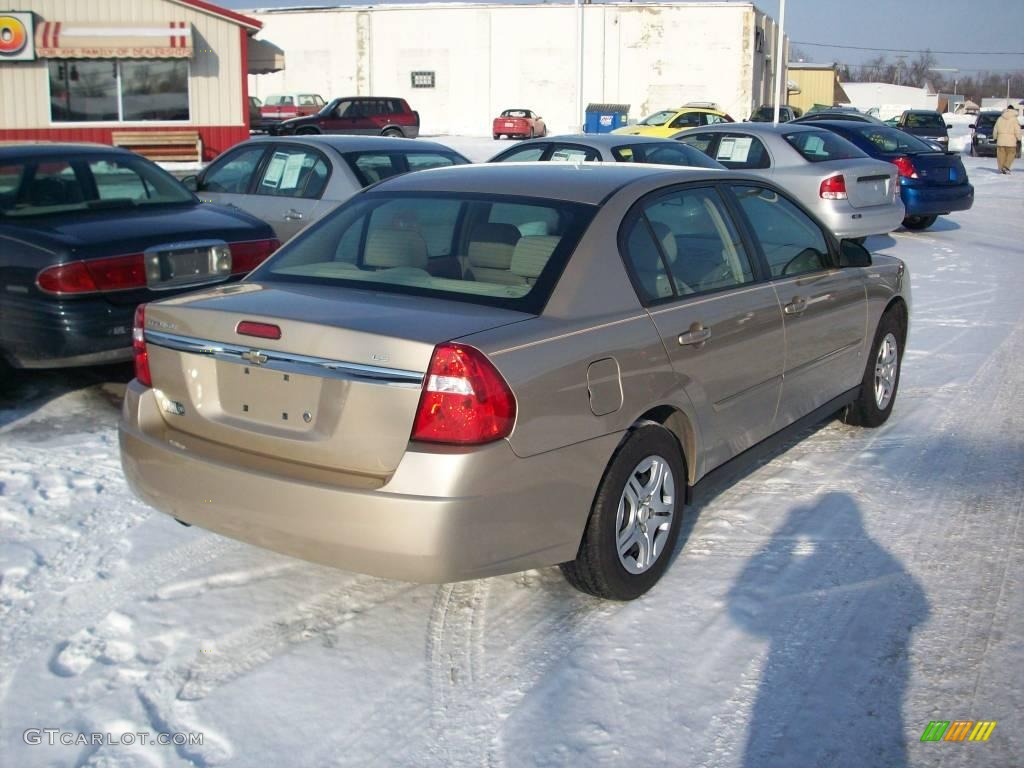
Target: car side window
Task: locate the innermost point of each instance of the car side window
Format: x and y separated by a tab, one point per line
371	167
233	172
344	109
792	243
294	172
524	155
572	153
701	141
739	151
687	120
712	119
420	161
699	242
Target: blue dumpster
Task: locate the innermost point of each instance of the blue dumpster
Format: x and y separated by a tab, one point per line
605	118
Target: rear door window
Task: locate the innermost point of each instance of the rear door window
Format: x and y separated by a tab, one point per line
294	172
741	151
687	120
572	153
792	243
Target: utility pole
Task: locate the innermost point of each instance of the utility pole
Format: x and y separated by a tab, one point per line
781	86
579	66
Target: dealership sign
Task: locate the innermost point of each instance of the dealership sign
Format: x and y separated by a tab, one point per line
17	41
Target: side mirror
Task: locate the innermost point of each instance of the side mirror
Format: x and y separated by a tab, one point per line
191	183
949	125
972	125
853	254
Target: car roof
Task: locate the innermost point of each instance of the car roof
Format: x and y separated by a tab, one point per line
19	150
600	139
752	127
590	183
356	143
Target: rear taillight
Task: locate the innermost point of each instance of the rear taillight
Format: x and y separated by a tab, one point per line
465	400
906	167
139	347
833	188
245	257
117	273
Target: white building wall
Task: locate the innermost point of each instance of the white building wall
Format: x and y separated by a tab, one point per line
489	58
889	99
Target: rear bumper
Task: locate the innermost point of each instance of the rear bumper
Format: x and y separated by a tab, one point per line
444	515
846	221
926	201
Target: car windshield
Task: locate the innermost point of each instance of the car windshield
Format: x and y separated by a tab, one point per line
487	249
987	122
658	118
821	146
885	139
924	120
515	113
40	186
664	153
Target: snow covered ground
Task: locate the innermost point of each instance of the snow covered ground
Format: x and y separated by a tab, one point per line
819	612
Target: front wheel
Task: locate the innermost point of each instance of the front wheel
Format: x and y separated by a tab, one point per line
635	519
881	376
918	223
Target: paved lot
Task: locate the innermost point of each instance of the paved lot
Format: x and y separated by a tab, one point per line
820	612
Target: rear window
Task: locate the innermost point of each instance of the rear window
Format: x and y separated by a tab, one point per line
279	100
371	167
42	186
500	251
821	146
924	120
664	153
887	139
515	113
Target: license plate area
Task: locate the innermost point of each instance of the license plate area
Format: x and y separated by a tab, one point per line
183	264
269	398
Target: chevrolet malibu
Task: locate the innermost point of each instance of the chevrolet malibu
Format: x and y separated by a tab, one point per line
440	381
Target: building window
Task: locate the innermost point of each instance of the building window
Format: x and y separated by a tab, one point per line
423	79
112	90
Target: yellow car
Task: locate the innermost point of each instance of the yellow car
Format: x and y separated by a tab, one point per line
669	122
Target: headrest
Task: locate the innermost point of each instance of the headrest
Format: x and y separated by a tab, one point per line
395	248
492	245
532	253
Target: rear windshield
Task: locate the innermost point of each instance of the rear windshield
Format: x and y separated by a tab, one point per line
515	113
487	249
664	153
371	167
924	120
887	139
44	186
820	146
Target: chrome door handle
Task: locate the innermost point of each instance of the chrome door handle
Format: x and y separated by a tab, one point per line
795	307
695	337
293	215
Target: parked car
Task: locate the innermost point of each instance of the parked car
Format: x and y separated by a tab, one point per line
837	113
290	182
89	232
852	193
370	399
766	114
607	147
669	122
360	115
931	183
522	123
279	107
255	115
926	124
982	142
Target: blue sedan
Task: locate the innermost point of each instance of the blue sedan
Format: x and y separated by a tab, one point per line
932	183
87	233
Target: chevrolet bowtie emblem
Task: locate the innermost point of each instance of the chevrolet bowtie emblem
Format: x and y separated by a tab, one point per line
255	357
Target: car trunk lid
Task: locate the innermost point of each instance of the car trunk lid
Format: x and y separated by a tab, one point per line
869	183
337	389
939	168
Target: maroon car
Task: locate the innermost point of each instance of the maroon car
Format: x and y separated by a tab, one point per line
358	115
524	123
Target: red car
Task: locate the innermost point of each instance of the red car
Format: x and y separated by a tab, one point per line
285	106
519	122
358	115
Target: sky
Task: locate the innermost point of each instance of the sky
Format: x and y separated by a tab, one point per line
979	26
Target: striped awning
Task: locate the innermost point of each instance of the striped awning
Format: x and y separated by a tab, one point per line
146	40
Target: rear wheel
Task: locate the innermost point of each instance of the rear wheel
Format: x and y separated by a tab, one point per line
497	136
635	520
531	134
881	376
393	132
919	222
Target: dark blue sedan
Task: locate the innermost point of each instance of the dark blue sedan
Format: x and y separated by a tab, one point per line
932	183
87	233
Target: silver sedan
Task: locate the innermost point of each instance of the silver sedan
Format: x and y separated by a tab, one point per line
854	195
606	147
292	181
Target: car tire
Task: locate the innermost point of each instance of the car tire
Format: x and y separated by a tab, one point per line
881	375
394	133
531	134
918	223
307	131
648	461
497	136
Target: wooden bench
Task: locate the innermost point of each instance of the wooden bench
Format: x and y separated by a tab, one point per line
167	146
